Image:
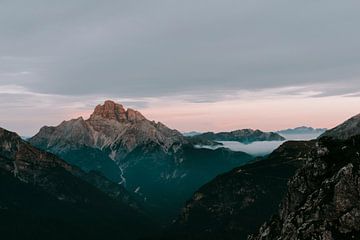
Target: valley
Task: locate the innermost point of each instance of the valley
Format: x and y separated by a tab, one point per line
179	120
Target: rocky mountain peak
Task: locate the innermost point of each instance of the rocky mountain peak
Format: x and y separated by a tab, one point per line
110	129
115	111
110	110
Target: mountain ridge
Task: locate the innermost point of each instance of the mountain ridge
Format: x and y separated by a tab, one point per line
345	130
245	136
322	199
302	130
68	197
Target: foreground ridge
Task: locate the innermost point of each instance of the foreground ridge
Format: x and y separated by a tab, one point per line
41	194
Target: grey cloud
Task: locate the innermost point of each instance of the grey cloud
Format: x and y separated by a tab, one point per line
163	48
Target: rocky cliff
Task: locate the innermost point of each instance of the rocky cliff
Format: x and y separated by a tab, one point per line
322	200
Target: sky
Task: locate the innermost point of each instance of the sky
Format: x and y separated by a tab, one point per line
193	65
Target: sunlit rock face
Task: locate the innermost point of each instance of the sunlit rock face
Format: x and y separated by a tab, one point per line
111	128
103	141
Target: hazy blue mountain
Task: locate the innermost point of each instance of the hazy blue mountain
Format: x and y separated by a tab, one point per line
301	133
191	134
244	136
302	130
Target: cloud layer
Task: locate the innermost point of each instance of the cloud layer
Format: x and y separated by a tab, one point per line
59	55
152	48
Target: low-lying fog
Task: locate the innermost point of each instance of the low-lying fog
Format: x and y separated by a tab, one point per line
261	148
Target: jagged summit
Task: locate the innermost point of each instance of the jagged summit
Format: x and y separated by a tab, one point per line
111	129
110	110
115	111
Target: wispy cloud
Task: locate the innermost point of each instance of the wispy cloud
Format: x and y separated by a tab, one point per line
26	111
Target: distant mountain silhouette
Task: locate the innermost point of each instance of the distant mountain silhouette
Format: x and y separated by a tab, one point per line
302	130
191	134
244	136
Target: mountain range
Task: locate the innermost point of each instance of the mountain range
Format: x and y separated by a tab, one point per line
302	130
120	175
245	136
146	157
315	183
